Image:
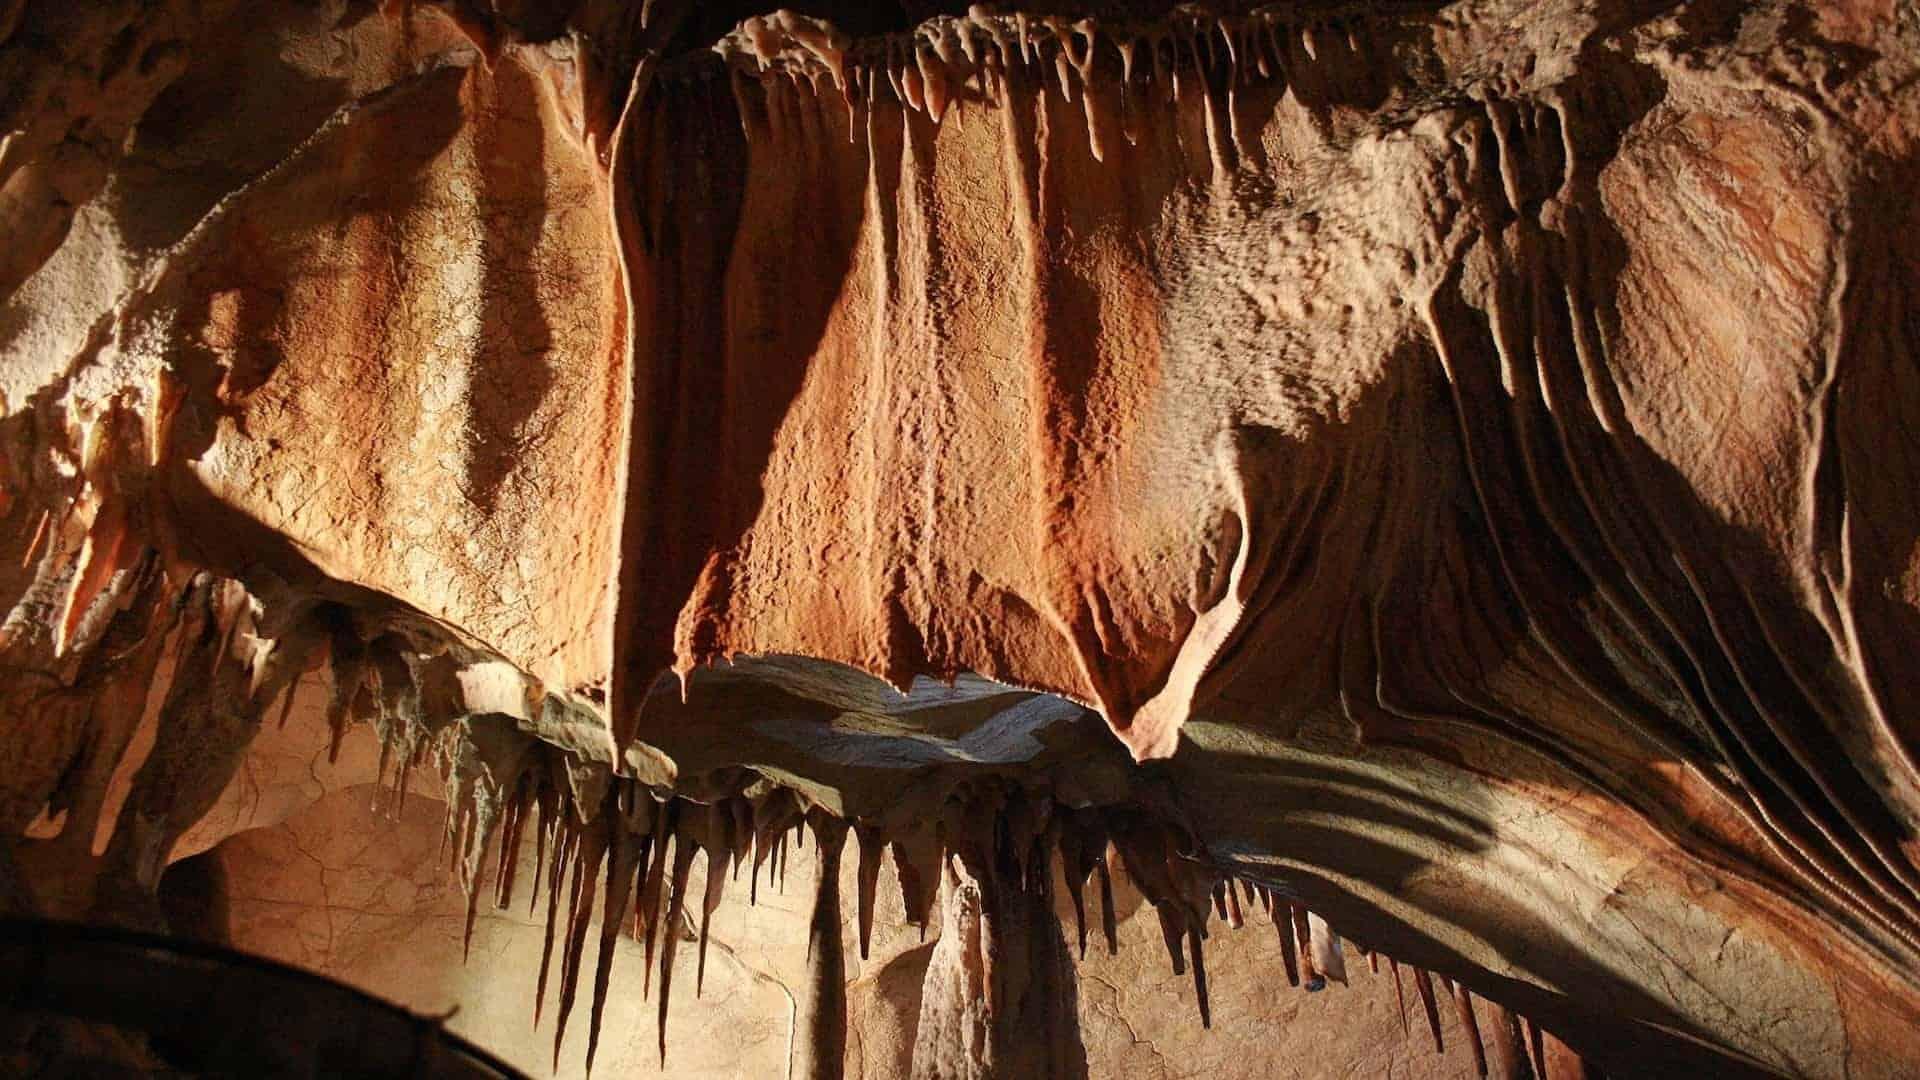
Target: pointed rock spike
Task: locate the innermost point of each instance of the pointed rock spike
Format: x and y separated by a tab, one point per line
700	967
872	845
650	891
1564	1063
1108	919
1423	982
719	848
1289	954
1074	869
623	869
1173	930
1198	952
586	878
1399	996
1303	939
1328	960
683	848
1463	1000
554	874
1536	1047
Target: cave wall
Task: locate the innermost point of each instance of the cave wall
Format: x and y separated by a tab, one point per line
1487	420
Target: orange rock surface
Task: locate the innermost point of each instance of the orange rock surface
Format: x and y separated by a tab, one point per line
1442	467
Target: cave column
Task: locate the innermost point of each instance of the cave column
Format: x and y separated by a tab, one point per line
1001	998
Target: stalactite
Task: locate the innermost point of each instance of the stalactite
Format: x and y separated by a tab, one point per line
563	845
1509	1058
1471	1025
685	844
628	839
1173	933
1562	1063
1536	1047
1075	869
665	829
547	801
1303	939
771	817
916	860
1327	957
512	832
999	998
1108	919
590	856
823	1050
1200	975
871	842
720	846
348	660
1399	996
1283	926
1423	982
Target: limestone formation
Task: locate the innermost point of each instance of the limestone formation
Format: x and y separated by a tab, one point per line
1414	502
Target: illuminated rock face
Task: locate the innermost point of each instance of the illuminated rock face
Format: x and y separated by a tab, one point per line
1447	469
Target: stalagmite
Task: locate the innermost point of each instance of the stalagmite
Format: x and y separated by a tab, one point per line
821	1050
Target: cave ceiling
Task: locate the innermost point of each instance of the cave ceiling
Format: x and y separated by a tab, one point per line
1443	478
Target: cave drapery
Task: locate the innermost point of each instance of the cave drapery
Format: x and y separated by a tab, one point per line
1436	478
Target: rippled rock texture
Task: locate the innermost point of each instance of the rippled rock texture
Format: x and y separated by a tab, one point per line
1437	481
